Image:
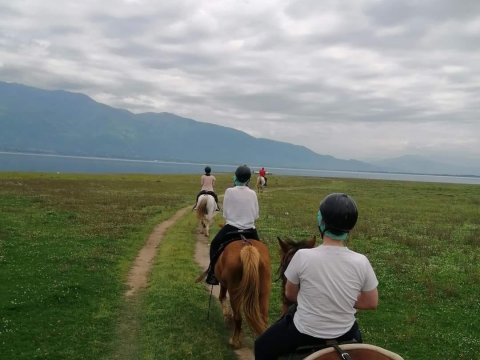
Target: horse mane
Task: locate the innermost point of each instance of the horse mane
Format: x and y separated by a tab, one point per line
288	248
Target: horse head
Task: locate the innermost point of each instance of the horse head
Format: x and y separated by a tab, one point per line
288	248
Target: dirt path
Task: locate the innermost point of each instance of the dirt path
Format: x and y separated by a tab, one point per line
138	275
129	328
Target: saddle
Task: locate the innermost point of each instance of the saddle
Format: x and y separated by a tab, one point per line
302	352
231	237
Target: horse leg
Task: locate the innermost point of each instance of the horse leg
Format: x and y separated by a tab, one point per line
264	304
206	227
235	340
227	314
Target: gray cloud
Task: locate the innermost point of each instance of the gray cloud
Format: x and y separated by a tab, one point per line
386	77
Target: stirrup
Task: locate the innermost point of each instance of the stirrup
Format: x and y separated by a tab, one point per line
211	279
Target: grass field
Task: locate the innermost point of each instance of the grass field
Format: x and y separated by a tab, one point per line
68	241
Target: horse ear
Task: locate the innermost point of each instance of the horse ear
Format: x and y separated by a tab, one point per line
283	245
311	243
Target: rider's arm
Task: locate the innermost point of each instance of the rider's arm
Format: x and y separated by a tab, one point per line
291	291
367	300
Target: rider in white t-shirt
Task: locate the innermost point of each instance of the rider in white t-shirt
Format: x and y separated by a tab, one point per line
328	283
240	210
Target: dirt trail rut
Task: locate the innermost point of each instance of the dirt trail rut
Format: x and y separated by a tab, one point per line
138	279
138	275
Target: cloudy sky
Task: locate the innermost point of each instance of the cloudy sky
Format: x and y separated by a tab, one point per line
354	79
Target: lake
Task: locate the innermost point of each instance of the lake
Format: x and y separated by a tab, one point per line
24	162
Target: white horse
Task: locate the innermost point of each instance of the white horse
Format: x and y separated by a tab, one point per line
260	183
206	207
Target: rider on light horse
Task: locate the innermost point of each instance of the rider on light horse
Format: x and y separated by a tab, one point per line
207	181
263	173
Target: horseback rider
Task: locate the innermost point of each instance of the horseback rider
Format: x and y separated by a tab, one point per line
263	173
208	182
240	210
328	283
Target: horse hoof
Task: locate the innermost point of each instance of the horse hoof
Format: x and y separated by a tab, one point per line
235	343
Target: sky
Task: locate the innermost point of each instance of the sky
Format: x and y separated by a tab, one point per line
356	79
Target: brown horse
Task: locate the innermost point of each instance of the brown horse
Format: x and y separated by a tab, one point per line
288	248
243	270
355	352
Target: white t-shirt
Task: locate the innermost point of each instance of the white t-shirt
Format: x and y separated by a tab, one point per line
240	207
330	278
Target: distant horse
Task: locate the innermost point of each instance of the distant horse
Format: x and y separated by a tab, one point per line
260	183
243	270
288	248
206	206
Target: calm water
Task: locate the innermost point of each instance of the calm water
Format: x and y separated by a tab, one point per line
77	164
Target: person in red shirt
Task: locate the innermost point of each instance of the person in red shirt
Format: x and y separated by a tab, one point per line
263	174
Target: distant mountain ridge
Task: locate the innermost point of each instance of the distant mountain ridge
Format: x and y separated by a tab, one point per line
65	123
60	122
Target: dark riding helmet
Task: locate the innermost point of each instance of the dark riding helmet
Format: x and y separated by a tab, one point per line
208	170
338	213
243	173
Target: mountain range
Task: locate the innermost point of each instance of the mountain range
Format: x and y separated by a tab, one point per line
65	123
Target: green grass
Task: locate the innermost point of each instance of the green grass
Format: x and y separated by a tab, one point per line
68	241
422	240
177	307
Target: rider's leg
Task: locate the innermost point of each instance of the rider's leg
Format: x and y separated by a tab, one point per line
198	195
353	334
254	234
215	246
283	338
196	200
216	199
277	340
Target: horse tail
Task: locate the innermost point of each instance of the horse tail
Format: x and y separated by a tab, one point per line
249	289
202	207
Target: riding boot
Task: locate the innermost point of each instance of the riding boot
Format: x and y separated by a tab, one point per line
211	279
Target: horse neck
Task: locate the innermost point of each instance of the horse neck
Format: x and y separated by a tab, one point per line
284	262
